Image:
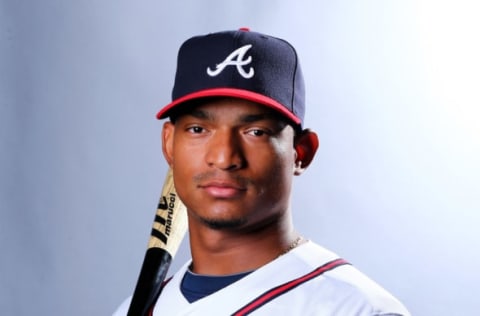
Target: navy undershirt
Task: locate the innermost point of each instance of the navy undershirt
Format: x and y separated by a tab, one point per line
196	286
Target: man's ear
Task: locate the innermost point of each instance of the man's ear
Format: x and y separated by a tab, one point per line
306	144
167	142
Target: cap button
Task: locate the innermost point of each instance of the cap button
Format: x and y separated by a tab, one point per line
245	29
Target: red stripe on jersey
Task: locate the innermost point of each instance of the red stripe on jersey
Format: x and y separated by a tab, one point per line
284	288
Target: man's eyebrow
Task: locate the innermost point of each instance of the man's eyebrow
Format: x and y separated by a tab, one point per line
198	113
251	118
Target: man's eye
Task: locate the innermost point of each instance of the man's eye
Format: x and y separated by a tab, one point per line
257	132
195	129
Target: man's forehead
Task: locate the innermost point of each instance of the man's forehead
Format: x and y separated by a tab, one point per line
246	110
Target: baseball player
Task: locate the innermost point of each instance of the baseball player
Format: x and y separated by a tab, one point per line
234	140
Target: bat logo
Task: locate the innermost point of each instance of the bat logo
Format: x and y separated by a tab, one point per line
163	220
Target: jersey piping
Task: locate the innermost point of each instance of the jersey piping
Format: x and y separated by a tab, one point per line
275	292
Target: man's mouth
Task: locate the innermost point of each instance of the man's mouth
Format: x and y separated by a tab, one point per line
223	189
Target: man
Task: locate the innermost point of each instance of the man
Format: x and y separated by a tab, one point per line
234	141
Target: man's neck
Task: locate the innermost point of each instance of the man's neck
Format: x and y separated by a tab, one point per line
220	252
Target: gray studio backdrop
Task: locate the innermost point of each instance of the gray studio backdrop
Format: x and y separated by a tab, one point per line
392	89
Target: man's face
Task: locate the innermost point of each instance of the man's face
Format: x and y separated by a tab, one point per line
233	163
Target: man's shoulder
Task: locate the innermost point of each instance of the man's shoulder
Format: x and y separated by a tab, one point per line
344	287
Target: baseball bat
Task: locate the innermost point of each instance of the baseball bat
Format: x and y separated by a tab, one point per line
168	230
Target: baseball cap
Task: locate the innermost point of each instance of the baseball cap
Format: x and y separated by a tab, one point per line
241	64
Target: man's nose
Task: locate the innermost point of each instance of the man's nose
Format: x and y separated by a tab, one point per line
225	151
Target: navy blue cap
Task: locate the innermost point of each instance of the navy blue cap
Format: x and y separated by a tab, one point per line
241	64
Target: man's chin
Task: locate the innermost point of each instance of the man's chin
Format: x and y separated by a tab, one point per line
220	224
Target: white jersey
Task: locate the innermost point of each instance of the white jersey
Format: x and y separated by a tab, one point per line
308	280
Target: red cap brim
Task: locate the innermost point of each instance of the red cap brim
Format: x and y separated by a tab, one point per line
229	92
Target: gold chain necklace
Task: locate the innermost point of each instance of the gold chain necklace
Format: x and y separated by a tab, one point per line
293	245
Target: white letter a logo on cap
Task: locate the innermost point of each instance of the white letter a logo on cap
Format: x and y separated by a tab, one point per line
235	59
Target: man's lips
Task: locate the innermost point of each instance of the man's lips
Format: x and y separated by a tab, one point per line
222	189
